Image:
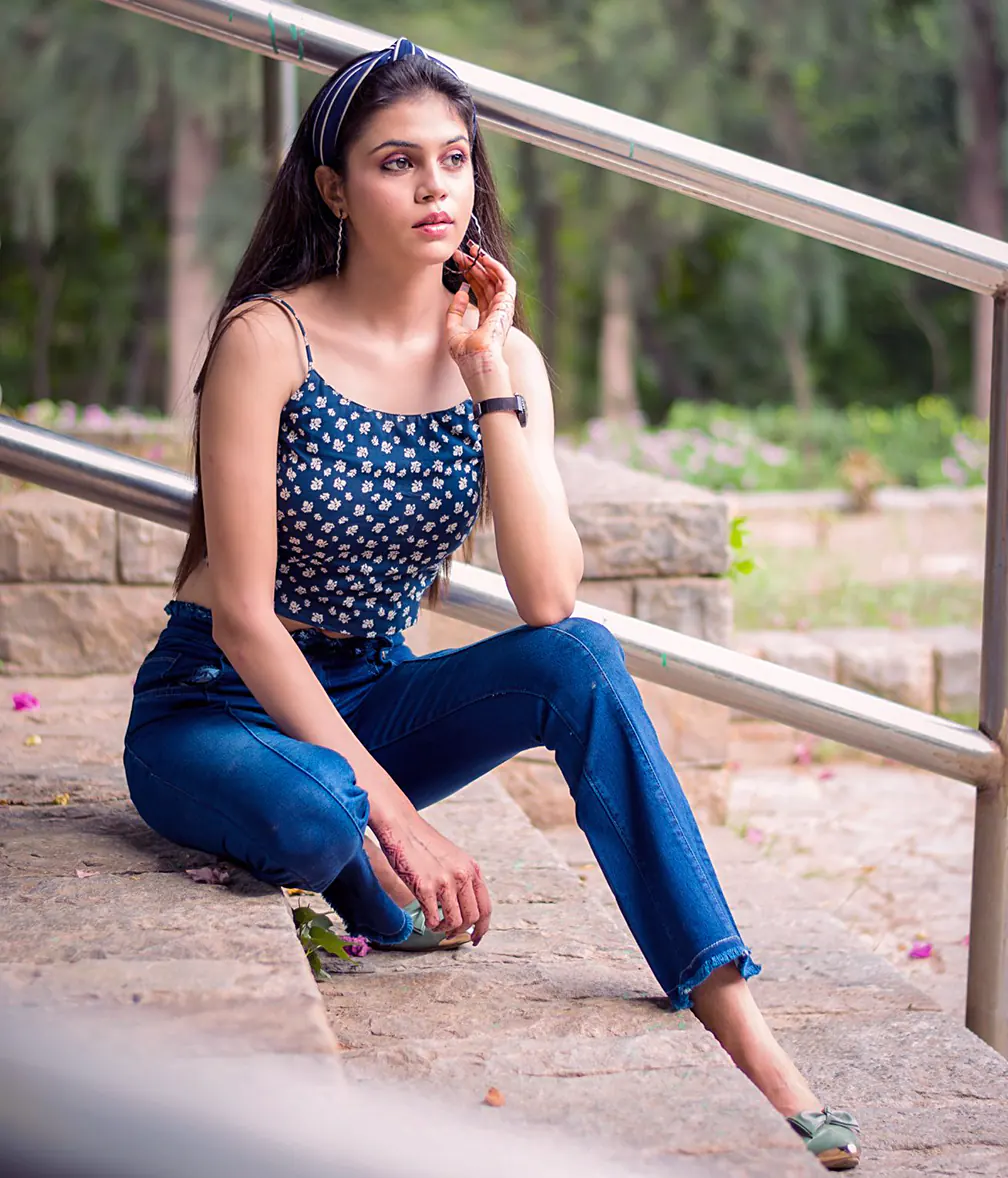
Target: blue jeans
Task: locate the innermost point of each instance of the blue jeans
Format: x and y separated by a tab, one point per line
208	768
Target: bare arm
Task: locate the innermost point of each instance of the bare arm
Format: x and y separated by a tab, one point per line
257	363
538	548
253	372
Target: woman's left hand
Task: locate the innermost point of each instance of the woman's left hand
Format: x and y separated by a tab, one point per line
480	350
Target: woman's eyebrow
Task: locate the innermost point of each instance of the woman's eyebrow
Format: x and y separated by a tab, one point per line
415	146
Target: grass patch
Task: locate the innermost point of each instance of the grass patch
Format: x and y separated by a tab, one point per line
969	719
794	595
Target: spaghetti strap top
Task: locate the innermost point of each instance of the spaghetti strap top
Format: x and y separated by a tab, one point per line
369	504
290	311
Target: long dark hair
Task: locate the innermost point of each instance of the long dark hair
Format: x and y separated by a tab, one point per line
294	241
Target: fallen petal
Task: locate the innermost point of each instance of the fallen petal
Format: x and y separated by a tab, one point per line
32	741
61	800
24	701
826	774
920	950
754	835
82	874
209	875
494	1098
802	754
356	946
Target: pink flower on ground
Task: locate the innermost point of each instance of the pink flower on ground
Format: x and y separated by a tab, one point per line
826	774
209	875
356	946
802	754
24	701
754	835
920	950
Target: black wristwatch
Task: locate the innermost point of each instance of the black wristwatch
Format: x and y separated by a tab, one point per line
515	404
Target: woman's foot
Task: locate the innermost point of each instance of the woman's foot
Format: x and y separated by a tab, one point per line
726	1007
422	939
830	1134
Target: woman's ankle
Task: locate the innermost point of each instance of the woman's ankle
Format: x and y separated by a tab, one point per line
726	1007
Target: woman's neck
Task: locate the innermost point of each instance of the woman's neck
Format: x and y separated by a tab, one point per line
397	305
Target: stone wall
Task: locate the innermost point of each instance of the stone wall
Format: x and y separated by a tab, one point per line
82	589
934	669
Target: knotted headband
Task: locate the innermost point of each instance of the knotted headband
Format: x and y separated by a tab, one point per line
333	103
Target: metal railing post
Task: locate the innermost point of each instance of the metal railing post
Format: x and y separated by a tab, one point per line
987	984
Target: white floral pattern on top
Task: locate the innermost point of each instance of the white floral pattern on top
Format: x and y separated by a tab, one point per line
369	504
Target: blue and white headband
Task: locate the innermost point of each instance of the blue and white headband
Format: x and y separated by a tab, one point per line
333	103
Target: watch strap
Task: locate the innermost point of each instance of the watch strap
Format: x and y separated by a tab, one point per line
515	404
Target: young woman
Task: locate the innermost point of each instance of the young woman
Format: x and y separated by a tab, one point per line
355	419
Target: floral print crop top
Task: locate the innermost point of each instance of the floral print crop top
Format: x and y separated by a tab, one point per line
369	504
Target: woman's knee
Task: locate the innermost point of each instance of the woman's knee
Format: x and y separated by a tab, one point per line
578	644
292	812
318	837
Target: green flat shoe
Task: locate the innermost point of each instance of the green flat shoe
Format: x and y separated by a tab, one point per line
422	939
832	1135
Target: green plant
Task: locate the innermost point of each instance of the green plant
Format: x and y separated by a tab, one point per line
315	932
742	562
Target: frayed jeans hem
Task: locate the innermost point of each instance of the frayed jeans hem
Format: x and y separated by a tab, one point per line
681	997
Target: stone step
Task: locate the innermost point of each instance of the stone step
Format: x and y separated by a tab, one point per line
557	1010
97	911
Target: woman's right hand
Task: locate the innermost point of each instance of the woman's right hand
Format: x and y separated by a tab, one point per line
437	873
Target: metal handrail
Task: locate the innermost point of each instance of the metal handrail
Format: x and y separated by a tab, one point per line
624	144
769	193
480	597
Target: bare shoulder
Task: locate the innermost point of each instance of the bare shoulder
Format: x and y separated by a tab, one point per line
260	345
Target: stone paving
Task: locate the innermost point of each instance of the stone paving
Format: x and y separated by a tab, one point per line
555	1009
931	1098
886	849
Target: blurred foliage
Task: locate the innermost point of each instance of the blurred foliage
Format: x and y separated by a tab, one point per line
814	595
777	448
866	94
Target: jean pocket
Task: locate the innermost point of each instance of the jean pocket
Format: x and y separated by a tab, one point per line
165	672
154	671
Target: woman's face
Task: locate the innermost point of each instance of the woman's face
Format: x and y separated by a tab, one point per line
411	163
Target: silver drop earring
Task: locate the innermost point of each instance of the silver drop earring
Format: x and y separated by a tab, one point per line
339	244
479	234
